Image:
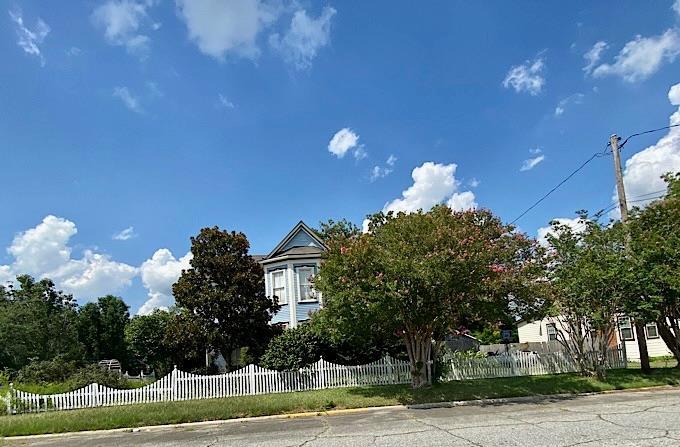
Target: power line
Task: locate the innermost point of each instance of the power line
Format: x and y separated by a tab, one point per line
605	152
646	132
613	205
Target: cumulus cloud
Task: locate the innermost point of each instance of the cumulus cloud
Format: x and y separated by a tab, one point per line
531	163
528	77
305	37
159	273
676	7
383	171
346	140
125	234
576	98
643	171
642	57
121	21
576	224
594	55
219	27
131	101
29	39
43	251
433	183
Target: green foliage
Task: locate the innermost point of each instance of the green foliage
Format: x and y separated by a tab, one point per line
101	329
418	275
342	229
145	337
37	322
294	349
95	374
224	292
57	369
185	341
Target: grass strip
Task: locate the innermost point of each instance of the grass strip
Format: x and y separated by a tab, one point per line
339	398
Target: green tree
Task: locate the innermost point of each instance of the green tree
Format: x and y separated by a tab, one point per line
101	328
589	275
332	229
422	274
224	292
655	250
37	322
186	341
145	337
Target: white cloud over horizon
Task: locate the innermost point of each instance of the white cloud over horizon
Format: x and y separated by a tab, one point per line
576	224
306	36
641	57
158	274
124	235
594	55
528	77
29	39
346	140
44	251
383	171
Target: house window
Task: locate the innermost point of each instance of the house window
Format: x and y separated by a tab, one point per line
551	331
651	330
626	329
306	293
279	286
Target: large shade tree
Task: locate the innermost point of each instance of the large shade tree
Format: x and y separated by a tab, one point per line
224	292
101	328
420	275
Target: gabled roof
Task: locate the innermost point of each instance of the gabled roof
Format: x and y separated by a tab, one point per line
282	248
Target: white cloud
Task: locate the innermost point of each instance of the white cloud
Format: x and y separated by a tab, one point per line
125	234
121	21
642	174
30	40
594	55
219	27
576	224
676	7
576	98
461	201
345	140
159	273
74	51
642	57
131	102
224	102
43	251
474	182
530	163
383	171
305	37
527	77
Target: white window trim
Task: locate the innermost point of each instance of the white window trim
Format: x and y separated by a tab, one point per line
281	300
299	285
647	332
629	326
547	331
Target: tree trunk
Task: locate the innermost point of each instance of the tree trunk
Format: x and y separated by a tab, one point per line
642	347
419	348
671	340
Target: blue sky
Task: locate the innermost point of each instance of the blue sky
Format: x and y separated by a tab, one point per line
162	117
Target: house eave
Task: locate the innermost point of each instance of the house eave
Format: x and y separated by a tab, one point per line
289	257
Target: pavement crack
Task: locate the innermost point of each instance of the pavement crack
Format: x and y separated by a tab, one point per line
326	428
436	427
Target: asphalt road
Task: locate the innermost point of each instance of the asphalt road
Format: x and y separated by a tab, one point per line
644	418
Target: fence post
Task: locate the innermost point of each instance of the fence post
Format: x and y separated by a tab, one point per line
173	384
321	373
95	388
10	394
251	378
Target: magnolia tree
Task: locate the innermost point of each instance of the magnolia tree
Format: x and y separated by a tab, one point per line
420	275
590	279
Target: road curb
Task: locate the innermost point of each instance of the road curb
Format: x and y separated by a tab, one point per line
451	404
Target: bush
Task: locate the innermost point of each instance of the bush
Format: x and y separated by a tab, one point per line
47	371
294	349
96	374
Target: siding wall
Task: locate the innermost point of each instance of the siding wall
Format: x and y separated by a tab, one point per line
535	331
294	311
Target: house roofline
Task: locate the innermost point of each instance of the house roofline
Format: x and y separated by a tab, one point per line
291	234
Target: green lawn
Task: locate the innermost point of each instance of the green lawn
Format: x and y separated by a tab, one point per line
235	407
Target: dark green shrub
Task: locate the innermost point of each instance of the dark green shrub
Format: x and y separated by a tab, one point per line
47	371
294	349
96	374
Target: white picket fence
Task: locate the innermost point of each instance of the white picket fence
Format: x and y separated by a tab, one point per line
252	380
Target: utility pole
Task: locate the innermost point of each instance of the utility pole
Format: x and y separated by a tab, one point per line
623	207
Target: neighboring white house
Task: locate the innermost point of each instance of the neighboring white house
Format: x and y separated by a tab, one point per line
546	330
288	270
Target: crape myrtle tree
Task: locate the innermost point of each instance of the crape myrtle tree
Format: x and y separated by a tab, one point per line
419	275
224	291
590	277
655	249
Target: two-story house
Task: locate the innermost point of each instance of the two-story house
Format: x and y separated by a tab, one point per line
288	270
